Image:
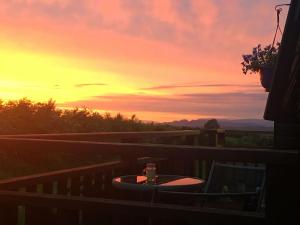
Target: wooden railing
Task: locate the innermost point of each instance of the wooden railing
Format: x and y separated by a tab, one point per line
214	136
53	209
75	196
112	136
181	137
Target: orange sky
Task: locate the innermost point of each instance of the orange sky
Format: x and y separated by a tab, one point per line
159	59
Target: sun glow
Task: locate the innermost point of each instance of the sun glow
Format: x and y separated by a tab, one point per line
40	77
180	61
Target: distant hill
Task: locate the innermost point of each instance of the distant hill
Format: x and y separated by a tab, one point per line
233	124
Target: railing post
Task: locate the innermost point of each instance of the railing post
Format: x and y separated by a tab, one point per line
220	137
66	216
197	163
191	167
212	137
216	138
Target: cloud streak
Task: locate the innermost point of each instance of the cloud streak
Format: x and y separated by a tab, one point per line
89	84
250	105
164	87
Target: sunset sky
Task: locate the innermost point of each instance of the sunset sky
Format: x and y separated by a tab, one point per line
160	59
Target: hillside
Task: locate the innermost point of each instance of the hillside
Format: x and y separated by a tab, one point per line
234	124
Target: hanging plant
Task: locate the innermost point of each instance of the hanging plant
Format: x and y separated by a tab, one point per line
262	61
260	58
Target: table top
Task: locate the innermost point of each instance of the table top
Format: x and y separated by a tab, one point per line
164	182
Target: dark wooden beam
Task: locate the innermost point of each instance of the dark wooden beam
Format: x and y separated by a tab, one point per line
291	97
32	146
98	136
282	181
122	207
17	182
274	108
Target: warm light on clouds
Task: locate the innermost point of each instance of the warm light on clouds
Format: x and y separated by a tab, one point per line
159	59
41	77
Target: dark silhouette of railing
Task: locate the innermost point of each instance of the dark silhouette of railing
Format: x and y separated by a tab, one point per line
85	195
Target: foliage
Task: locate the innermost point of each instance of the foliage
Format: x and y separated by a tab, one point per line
24	116
250	140
260	57
212	124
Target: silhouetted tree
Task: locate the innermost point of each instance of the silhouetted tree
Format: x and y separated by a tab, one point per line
212	124
24	116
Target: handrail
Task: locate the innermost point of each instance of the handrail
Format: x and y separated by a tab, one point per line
105	135
131	134
34	179
210	216
156	150
201	194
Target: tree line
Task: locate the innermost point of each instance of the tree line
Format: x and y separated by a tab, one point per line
24	116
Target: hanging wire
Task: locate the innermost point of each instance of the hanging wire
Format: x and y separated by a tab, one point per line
278	11
286	4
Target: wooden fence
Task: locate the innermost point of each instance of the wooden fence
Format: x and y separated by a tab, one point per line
85	196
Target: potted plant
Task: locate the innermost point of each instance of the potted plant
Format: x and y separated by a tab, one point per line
262	61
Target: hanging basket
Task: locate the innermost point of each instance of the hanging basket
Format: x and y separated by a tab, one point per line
266	77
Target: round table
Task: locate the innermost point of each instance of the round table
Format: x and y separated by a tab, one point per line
164	183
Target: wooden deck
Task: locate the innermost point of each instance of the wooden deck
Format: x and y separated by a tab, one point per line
85	195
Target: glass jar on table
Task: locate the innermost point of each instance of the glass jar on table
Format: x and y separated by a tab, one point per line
150	173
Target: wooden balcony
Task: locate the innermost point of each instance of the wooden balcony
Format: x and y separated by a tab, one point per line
84	195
